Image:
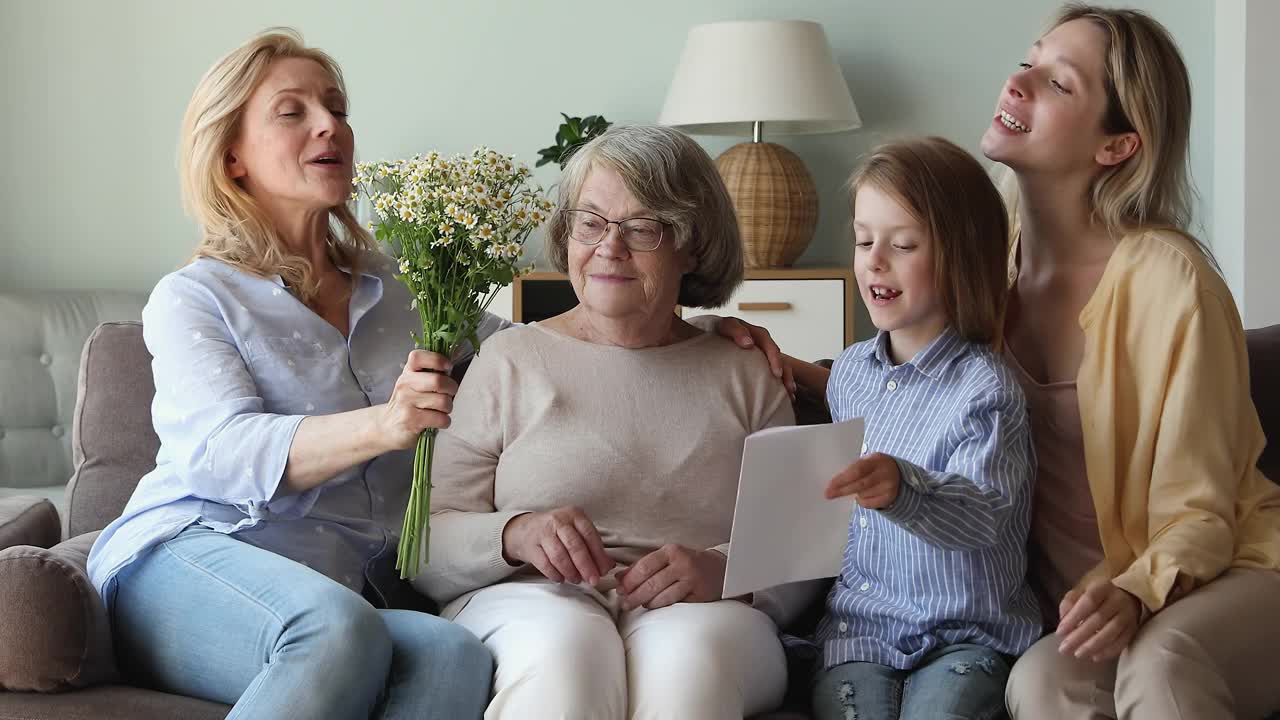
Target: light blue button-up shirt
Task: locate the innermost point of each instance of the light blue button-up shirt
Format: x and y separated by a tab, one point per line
946	562
238	362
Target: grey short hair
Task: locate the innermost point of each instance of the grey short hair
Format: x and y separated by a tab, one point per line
672	176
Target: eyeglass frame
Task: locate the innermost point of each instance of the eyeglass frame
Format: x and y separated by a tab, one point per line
622	235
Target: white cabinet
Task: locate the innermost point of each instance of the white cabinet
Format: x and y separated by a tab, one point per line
808	311
806	317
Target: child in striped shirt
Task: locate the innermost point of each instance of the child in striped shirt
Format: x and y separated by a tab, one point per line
931	605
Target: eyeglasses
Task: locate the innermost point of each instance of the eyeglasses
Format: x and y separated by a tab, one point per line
638	234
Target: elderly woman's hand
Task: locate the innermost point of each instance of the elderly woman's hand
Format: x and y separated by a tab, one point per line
422	398
746	335
563	544
672	574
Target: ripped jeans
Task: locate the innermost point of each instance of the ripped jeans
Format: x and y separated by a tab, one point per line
959	682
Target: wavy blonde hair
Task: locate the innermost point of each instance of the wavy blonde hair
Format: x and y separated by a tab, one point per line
234	227
1148	93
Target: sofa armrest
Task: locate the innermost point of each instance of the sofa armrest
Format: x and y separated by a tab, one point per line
54	630
28	520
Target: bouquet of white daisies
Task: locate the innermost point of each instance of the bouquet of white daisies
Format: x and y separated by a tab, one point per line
458	226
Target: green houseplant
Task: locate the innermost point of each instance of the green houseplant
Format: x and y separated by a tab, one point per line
574	132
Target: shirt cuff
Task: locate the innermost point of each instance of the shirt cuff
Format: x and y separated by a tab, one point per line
911	491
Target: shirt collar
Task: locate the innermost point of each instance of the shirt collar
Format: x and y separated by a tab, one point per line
931	361
373	263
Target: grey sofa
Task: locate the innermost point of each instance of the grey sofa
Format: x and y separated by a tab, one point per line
113	445
41	337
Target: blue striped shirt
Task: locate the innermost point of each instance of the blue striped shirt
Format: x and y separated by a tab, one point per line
946	562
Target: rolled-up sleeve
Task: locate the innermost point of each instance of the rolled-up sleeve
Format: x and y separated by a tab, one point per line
207	409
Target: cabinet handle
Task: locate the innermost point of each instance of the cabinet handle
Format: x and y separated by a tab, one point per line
763	306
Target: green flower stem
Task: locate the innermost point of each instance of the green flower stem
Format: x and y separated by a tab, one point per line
415	536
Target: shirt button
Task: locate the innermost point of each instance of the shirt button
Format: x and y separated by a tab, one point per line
45	359
864	587
57	431
892	384
862	522
864	448
844	626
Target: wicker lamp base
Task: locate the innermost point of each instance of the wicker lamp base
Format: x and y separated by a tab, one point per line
776	202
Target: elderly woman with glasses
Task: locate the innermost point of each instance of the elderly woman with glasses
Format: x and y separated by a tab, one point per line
581	521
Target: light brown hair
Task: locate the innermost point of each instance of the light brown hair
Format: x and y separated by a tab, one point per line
234	227
673	177
1148	92
949	193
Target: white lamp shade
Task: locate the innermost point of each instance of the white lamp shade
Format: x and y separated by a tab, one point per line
778	72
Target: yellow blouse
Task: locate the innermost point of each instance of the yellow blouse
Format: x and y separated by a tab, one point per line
1171	437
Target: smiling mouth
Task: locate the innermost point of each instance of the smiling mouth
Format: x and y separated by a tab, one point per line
1012	122
880	292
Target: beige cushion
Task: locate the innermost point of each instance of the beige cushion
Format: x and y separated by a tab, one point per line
54	631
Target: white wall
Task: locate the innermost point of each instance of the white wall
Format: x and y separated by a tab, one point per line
1229	142
1262	165
1247	162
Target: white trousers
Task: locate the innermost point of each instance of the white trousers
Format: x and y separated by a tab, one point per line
565	651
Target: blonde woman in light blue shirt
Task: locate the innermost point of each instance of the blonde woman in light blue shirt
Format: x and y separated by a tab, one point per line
254	565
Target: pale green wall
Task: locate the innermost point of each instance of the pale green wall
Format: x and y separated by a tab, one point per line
93	93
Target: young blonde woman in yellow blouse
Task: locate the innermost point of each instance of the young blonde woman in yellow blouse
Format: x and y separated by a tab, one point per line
1155	538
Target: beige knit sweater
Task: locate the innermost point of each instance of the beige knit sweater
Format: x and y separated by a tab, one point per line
648	443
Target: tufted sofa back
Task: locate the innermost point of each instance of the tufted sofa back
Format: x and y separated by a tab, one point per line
41	337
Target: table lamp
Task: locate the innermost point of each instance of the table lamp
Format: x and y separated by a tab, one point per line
751	78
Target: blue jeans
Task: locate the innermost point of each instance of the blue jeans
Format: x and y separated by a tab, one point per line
208	616
959	682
